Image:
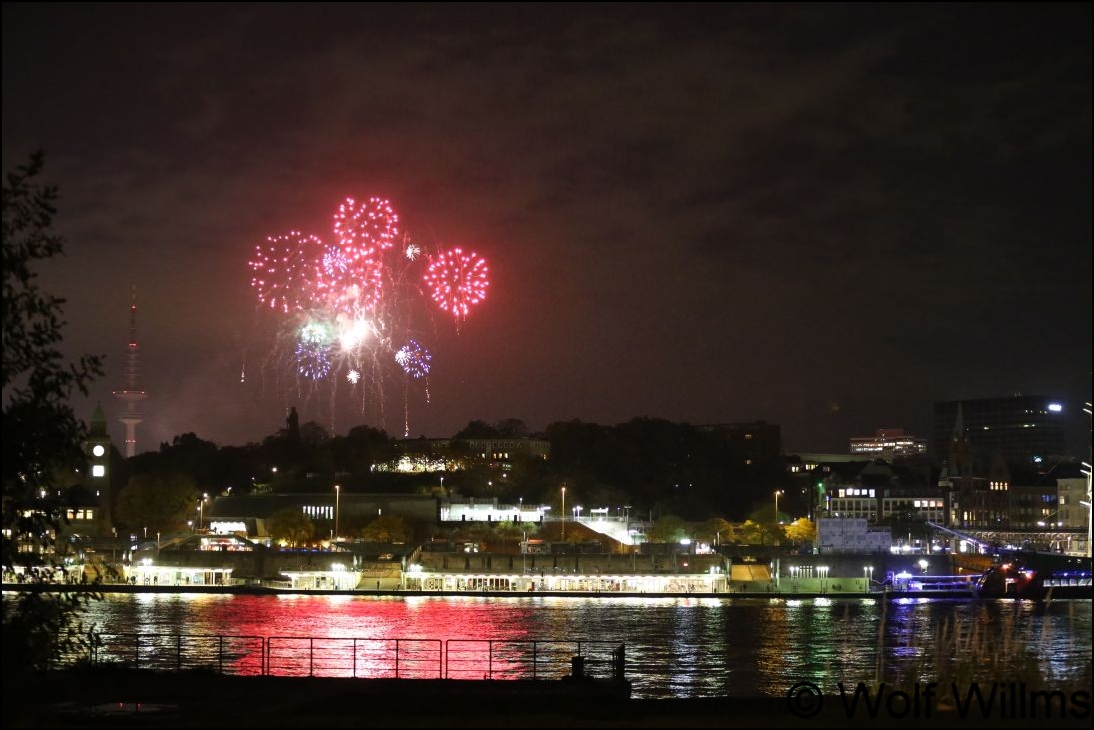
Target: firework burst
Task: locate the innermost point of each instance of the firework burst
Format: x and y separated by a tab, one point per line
414	359
354	306
285	271
363	228
457	281
313	351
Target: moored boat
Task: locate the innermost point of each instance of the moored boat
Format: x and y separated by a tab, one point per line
1037	576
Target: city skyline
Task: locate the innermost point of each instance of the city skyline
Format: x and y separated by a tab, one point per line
826	217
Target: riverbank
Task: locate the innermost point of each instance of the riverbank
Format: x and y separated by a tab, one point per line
269	590
121	698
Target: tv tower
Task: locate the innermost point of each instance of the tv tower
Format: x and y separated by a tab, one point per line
132	393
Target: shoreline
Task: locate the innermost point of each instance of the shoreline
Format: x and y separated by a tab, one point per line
258	590
131	698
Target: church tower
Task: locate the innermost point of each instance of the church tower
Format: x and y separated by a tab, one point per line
97	450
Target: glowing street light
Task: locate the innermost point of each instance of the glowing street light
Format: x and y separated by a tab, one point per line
777	493
337	504
564	512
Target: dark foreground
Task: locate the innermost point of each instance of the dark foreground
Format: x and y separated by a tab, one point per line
126	698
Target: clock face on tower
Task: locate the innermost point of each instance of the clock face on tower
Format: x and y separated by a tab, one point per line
98	450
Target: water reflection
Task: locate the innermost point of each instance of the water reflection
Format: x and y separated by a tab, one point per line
676	647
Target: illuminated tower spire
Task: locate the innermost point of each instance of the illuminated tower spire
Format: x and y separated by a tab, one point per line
132	393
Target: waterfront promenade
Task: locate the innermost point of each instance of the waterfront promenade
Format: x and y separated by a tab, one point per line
786	592
130	699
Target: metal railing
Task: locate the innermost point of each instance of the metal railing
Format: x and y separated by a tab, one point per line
508	659
371	658
243	655
313	656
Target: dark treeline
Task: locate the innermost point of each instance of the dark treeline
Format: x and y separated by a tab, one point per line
652	465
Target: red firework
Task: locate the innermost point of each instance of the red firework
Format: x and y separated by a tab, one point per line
285	270
349	285
364	228
457	281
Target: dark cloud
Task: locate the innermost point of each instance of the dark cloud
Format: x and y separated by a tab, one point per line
692	211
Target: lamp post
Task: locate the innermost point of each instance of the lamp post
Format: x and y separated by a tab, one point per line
337	504
201	514
564	513
777	493
867	572
1086	471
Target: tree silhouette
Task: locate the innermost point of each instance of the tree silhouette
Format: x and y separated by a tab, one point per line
291	525
40	429
160	503
386	528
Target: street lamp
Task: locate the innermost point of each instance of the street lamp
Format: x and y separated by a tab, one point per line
577	513
201	510
564	513
337	504
867	572
777	493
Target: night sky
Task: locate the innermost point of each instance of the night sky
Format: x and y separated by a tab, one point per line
823	216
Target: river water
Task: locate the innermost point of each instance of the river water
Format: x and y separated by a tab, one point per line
677	647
